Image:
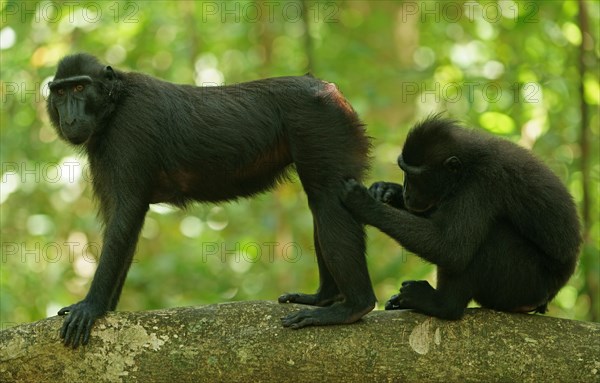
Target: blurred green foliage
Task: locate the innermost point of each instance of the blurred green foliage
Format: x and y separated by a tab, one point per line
508	67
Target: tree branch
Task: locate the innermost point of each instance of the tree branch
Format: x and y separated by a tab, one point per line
245	341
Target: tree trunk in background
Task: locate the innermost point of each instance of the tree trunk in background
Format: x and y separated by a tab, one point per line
589	255
245	342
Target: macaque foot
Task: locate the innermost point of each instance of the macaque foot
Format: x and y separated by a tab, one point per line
422	297
337	313
411	294
310	299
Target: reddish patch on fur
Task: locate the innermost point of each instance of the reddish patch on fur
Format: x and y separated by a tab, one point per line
333	93
171	185
268	164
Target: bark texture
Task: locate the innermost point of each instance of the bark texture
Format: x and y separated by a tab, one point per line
245	342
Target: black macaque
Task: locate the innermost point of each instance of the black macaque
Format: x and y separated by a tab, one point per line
151	141
500	226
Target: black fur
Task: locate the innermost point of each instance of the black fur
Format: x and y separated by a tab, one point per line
500	226
151	141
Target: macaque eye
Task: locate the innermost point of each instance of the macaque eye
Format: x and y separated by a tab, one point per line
78	88
60	92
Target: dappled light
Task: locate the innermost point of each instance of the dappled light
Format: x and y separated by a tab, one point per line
526	71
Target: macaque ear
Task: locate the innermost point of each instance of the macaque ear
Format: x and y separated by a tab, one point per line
453	164
109	73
